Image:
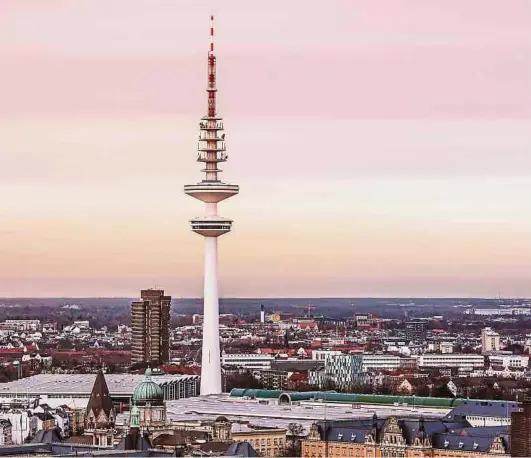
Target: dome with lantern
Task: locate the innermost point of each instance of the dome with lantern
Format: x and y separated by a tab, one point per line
148	392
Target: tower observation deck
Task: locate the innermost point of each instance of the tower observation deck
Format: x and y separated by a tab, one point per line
211	151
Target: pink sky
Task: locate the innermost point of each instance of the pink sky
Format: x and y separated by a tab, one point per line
382	147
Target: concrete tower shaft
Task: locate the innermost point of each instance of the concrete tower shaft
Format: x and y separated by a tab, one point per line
211	151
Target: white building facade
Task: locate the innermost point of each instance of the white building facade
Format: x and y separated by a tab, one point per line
250	361
456	360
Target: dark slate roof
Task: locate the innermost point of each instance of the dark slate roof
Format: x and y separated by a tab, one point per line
296	366
100	399
214	447
24	449
478	444
46	437
134	440
241	449
483	409
347	430
444	435
181	438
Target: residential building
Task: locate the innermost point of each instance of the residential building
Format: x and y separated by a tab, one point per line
274	380
266	441
490	340
150	319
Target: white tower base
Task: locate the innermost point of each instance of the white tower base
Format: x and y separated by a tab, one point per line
210	363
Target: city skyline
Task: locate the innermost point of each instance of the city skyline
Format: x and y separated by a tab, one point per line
428	198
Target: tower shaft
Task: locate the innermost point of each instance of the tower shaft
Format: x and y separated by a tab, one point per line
211	357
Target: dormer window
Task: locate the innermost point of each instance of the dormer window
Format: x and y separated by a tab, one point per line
446	443
340	436
461	444
353	437
476	445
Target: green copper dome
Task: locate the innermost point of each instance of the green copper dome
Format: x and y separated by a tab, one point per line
148	391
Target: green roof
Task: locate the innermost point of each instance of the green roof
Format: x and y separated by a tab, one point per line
348	397
148	390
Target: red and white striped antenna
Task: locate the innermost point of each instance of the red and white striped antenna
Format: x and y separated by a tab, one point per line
212	33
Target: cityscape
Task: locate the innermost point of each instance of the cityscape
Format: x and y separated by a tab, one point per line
425	354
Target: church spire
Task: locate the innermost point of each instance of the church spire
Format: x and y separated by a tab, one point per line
100	401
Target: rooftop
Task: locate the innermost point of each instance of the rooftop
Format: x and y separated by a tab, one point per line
81	384
204	408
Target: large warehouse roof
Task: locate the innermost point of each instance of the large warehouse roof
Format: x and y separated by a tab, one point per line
81	384
273	414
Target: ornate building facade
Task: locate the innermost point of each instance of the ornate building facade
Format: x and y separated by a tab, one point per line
403	438
148	399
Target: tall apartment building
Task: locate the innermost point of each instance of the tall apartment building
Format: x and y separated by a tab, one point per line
490	340
150	321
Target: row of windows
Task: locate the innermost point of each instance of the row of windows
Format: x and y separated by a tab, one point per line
263	442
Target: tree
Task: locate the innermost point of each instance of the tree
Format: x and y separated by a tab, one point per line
293	440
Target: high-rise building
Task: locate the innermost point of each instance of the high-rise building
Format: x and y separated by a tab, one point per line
211	190
150	321
490	340
521	430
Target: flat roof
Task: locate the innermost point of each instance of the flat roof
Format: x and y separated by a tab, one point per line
75	384
203	408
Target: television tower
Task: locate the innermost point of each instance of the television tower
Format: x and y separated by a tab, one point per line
211	190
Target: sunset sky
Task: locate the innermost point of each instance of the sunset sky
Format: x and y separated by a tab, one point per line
382	147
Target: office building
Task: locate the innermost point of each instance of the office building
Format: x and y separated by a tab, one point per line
380	362
150	321
465	361
248	361
341	371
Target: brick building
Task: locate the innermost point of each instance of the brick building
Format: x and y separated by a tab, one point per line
521	430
